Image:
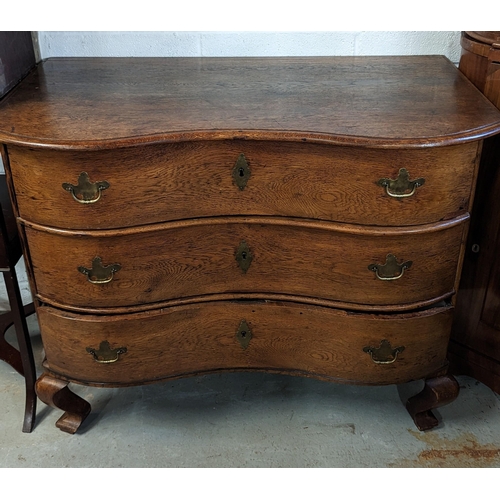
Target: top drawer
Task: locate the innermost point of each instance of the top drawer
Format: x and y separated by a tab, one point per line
165	182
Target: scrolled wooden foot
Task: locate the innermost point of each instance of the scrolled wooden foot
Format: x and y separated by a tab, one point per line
55	393
438	391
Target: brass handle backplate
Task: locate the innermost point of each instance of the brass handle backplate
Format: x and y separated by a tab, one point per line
391	270
401	187
241	172
384	354
99	274
85	191
244	334
105	354
244	256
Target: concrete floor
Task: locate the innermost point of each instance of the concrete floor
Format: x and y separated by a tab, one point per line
248	420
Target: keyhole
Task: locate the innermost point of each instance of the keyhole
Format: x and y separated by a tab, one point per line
242	172
243	333
243	255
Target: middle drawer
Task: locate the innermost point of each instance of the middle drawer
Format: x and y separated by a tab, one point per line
349	264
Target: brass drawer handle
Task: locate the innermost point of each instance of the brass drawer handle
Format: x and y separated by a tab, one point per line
85	191
105	354
401	187
391	270
99	274
384	354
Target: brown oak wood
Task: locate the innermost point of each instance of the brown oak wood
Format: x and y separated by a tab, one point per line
163	136
198	258
93	103
490	38
300	339
480	62
291	180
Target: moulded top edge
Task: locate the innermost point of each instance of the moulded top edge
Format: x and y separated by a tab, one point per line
268	135
386	102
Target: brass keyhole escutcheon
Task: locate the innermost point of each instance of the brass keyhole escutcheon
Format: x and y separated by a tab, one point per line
85	191
105	354
99	274
244	334
241	172
384	354
391	270
244	256
401	187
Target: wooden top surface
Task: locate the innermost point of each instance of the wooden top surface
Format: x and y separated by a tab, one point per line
93	103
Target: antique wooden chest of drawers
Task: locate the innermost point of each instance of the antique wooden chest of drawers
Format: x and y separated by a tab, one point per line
295	215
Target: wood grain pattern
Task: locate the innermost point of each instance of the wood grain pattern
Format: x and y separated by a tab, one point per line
92	103
303	340
480	62
194	179
318	134
198	258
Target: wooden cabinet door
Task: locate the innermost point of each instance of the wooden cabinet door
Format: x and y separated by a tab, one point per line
475	340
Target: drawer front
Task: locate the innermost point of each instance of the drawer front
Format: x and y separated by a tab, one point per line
274	336
218	256
157	183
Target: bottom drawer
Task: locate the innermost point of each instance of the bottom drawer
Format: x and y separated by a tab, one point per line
273	336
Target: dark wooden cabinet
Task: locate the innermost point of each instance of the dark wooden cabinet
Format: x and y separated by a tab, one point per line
475	342
17	58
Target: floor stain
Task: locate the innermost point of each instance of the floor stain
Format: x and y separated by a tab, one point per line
462	451
348	427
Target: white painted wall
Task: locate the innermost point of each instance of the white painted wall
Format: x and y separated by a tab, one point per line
246	43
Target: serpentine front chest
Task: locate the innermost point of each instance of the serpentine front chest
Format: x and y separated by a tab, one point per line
294	215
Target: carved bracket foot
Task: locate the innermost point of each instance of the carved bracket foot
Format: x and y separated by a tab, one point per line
55	393
438	391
